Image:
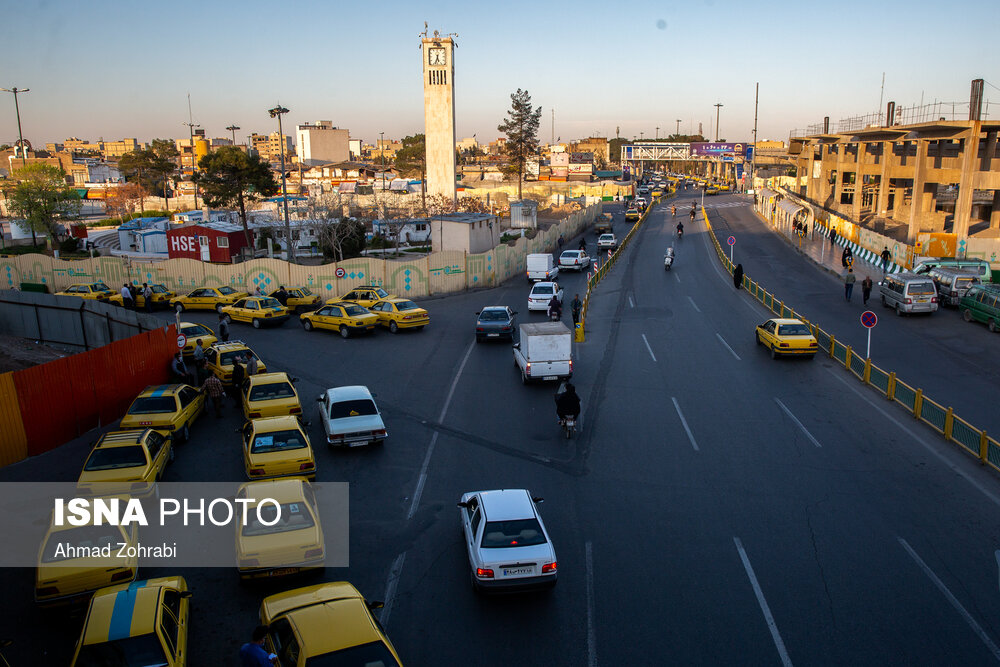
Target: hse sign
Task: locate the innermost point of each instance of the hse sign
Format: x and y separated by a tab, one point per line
180	243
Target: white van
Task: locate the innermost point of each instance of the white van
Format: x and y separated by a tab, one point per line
909	293
542	266
980	267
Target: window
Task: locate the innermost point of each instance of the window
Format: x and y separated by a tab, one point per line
169	619
154	442
514	533
283	642
187	395
222	241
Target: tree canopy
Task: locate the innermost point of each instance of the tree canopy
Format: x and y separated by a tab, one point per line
411	160
521	128
229	178
41	197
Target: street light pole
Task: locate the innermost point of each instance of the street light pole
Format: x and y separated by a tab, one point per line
278	111
717	107
657	132
17	109
678	132
382	157
233	128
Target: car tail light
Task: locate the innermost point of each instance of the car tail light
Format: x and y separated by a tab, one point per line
295	411
313	553
479	329
934	299
506	329
379	431
121	575
812	344
254	415
307	466
909	300
527	368
484	573
52	590
782	344
549	567
256	472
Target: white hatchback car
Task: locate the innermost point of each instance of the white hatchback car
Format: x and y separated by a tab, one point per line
574	259
541	293
506	540
607	242
350	417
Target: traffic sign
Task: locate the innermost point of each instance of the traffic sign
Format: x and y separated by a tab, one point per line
731	240
869	319
181	341
340	273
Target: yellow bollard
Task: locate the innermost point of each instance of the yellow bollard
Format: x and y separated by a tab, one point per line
949	423
918	403
868	371
890	388
833	345
984	447
579	332
847	358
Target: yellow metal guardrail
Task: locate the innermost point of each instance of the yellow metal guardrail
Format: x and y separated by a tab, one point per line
598	275
942	419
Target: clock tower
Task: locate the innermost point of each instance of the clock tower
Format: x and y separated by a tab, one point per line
439	113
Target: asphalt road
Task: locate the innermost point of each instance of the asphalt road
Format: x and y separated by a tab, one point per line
717	507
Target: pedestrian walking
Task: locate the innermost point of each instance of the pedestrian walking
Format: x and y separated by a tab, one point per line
253	653
252	365
575	307
849	281
147	297
180	370
844	256
866	289
885	254
239	373
198	357
212	388
738	276
134	291
127	301
223	327
561	242
833	236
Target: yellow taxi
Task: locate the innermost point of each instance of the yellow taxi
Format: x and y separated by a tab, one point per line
166	407
97	291
257	310
277	447
270	395
293	543
220	357
396	314
658	192
343	316
331	620
300	298
784	336
124	461
195	332
207	298
161	297
142	623
68	567
365	296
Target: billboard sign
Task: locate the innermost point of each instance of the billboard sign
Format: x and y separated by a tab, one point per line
717	149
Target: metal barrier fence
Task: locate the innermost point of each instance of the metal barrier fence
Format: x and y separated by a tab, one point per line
942	419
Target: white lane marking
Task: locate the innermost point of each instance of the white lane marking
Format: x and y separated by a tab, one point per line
952	599
630	302
430	448
771	625
677	276
723	341
648	347
926	445
390	588
591	634
797	422
684	423
694	304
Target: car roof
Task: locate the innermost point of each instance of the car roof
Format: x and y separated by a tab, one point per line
786	320
268	424
348	393
269	378
329	617
289	489
608	234
545	282
496	307
161	390
230	345
507	504
121	438
122	612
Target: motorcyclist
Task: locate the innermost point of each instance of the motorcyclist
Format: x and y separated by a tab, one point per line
680	229
692	214
555	307
583	244
673	210
567	402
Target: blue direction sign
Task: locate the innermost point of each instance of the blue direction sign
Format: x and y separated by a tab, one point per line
869	319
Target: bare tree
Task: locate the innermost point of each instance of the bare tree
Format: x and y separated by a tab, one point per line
340	237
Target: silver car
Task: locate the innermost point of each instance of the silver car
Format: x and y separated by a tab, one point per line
495	322
350	417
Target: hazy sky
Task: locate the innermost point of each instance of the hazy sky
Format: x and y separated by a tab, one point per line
122	68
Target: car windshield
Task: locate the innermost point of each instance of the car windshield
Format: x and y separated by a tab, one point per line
196	330
142	650
109	458
227	358
159	289
962	283
921	289
353	408
86	537
542	289
270	303
406	305
227	291
493	316
306	292
293	516
277	441
794	330
516	533
149	405
607	237
355	310
101	287
570	254
381	293
271	391
374	653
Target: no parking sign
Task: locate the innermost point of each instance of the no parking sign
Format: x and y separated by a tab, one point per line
181	341
340	273
868	321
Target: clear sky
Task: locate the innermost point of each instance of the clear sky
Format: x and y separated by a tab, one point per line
124	68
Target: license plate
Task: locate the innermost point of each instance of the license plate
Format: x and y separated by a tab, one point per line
493	335
280	572
357	444
518	571
550	377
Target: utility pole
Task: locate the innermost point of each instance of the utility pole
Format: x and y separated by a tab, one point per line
277	112
678	127
553	127
753	158
194	163
382	157
717	107
233	128
17	109
657	132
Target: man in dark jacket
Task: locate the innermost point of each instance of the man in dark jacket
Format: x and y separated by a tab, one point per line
281	295
239	374
568	402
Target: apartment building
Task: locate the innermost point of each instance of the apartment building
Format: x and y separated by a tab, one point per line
322	143
268	146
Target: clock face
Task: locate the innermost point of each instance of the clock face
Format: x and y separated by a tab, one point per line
435	56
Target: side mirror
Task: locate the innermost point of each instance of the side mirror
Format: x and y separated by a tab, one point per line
478	312
294	379
374	604
319	399
187	594
464	504
513	312
517	345
537	499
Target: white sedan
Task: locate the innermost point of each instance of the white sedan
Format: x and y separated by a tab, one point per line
574	259
607	242
541	293
506	540
350	417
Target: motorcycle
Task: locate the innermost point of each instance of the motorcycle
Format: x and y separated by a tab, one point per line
568	426
680	232
668	259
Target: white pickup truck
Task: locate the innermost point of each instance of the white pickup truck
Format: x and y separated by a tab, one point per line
544	351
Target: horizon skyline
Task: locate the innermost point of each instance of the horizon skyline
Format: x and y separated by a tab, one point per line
594	86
